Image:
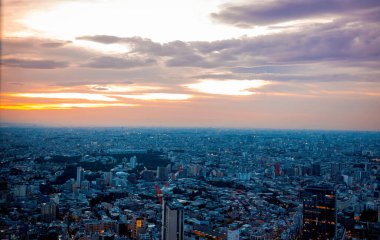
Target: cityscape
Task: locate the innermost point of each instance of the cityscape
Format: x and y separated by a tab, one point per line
190	120
169	183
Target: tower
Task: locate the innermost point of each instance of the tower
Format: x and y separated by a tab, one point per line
316	169
319	212
80	176
172	220
277	169
133	162
108	178
162	173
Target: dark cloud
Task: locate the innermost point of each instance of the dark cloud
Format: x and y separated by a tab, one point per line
218	76
271	12
118	63
100	88
337	41
344	40
106	39
143	45
189	60
37	64
44	48
54	44
180	53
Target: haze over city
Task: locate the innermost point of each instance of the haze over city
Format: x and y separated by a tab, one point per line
218	63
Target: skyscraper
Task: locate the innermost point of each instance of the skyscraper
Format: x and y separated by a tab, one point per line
49	211
172	220
80	176
108	178
319	212
277	169
336	169
316	169
162	173
133	162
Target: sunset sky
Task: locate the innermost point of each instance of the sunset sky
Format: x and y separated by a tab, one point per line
304	64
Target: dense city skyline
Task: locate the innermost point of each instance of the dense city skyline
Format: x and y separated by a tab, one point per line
219	63
188	184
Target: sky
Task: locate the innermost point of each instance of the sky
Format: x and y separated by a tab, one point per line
282	64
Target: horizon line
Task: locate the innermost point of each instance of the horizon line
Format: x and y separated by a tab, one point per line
34	125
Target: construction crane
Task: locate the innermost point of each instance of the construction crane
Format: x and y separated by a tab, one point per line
159	191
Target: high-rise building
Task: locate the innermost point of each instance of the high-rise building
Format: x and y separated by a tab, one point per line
108	178
277	169
319	212
133	162
172	220
49	211
162	173
316	169
138	227
80	176
336	169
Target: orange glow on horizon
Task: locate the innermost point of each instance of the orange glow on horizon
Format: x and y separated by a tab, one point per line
62	106
65	95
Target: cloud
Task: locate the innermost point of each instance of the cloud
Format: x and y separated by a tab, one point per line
190	60
54	44
118	63
117	88
227	87
40	48
341	40
65	95
158	96
272	12
106	39
179	53
31	63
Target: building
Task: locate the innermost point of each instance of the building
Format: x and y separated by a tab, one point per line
336	169
138	227
80	176
49	211
162	173
316	169
172	220
319	212
108	178
233	234
277	169
133	162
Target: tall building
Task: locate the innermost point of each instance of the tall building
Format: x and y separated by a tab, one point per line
316	169
336	169
162	173
172	220
138	227
49	211
80	176
108	178
319	212
277	169
133	162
